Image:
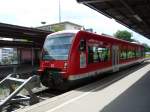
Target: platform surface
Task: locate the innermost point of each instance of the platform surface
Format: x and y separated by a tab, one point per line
125	91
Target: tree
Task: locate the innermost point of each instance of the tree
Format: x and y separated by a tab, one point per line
125	35
56	28
147	48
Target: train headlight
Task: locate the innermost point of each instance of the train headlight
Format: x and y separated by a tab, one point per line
65	65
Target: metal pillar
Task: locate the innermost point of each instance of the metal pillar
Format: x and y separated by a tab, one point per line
32	56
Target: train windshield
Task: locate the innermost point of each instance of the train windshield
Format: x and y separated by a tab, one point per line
56	47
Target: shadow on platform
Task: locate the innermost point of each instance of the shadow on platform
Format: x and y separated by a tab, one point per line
134	99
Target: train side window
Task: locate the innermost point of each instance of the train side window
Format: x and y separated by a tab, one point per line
143	53
131	54
123	54
82	46
138	54
90	54
98	54
104	53
95	54
134	53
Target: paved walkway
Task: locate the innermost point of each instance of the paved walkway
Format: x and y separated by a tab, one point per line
134	99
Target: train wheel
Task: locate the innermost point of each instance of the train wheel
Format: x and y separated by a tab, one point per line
46	79
63	87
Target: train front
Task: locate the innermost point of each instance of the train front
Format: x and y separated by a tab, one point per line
54	61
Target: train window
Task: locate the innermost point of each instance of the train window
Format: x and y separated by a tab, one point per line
131	54
128	54
138	53
56	47
104	54
123	54
143	53
82	45
98	54
95	54
90	54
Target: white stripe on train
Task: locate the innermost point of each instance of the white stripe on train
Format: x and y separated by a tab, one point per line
97	72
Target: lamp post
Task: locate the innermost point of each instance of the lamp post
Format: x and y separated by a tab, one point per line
59	12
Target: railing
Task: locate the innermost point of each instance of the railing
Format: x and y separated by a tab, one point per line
15	84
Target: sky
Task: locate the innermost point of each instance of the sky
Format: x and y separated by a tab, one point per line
31	13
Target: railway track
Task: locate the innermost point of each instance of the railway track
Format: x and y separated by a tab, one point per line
47	93
41	95
19	92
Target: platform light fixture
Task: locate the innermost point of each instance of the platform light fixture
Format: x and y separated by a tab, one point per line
137	17
43	22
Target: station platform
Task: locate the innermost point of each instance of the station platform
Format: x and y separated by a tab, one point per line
124	91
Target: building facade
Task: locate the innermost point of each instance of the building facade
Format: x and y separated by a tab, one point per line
8	56
61	26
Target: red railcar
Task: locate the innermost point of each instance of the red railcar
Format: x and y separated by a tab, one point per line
68	56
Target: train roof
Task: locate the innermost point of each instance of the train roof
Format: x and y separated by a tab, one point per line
106	36
121	40
65	31
113	38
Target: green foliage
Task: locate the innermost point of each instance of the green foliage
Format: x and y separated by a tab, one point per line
147	48
125	35
56	28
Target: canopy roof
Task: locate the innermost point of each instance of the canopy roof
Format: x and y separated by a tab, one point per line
34	37
134	14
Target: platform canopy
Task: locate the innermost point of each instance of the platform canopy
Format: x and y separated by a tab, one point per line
22	36
134	14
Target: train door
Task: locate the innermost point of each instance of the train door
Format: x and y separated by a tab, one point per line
115	58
